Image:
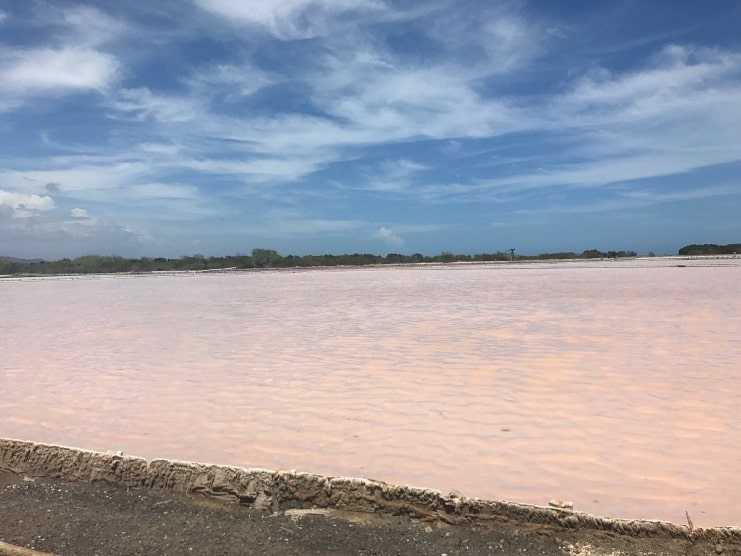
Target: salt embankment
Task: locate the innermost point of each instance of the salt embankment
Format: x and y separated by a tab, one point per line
275	491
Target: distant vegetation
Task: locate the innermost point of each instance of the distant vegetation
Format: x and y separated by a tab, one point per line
710	249
264	258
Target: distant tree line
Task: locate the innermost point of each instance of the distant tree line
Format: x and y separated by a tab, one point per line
710	249
265	258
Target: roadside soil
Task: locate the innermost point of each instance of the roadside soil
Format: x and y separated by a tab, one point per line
76	518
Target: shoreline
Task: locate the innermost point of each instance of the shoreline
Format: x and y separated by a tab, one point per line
664	261
279	490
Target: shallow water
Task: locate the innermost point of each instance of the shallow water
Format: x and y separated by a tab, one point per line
616	386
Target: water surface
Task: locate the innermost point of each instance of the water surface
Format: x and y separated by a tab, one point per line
615	386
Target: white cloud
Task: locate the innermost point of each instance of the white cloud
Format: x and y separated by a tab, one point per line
68	61
676	115
401	167
677	74
653	196
39	71
251	169
392	101
388	236
78	177
627	126
79	213
392	175
624	167
290	18
364	94
159	148
89	26
378	103
233	81
143	191
49	234
19	205
3	16
632	199
141	104
494	39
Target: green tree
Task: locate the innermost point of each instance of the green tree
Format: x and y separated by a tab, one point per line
265	258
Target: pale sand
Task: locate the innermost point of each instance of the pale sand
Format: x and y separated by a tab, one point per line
615	386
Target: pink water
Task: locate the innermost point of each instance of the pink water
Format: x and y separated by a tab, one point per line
616	387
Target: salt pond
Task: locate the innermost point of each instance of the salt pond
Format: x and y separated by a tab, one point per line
615	385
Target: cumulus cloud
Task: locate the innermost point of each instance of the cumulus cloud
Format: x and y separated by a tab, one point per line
21	205
32	223
50	234
388	236
79	213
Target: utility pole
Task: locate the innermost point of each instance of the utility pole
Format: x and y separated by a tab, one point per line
511	254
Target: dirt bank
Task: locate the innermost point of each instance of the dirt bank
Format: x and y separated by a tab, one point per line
69	502
76	518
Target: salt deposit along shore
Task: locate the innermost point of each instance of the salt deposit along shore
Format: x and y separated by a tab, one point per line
613	385
73	501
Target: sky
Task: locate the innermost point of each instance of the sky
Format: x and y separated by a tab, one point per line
178	127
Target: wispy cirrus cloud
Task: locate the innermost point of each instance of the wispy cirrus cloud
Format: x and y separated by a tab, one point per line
73	176
628	199
673	116
361	114
70	62
649	196
671	74
142	104
44	70
391	176
292	19
233	82
90	26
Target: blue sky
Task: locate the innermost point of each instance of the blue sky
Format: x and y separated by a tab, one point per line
330	126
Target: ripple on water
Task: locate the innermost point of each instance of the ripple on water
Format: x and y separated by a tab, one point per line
615	387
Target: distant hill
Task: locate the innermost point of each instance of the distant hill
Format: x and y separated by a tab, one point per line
710	249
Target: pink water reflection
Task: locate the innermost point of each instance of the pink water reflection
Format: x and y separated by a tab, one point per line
615	387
